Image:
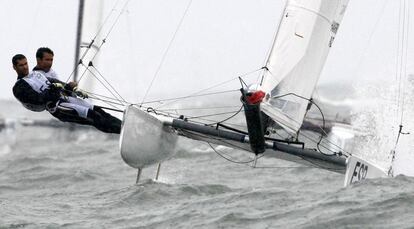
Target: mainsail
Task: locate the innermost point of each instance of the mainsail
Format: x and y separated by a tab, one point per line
89	22
298	55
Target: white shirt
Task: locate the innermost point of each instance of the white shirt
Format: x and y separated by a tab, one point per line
37	80
51	73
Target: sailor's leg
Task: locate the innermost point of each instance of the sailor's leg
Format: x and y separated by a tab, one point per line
67	113
105	122
78	110
80	105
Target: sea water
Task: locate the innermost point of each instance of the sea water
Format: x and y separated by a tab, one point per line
56	177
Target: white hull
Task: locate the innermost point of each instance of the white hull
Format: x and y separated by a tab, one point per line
358	169
144	140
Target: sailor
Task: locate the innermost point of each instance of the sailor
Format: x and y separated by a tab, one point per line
38	92
44	59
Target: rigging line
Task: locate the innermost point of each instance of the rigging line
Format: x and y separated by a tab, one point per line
358	68
100	29
398	56
188	117
402	70
196	108
314	141
111	109
230	158
186	97
405	49
107	102
323	127
103	96
209	120
96	77
294	94
104	100
333	152
401	67
224	142
106	19
93	40
83	73
226	119
216	85
216	114
110	85
273	41
326	147
166	51
110	31
107	35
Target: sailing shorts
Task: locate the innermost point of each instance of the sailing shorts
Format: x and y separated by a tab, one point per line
79	105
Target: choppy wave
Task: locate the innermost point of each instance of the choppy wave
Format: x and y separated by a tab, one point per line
51	178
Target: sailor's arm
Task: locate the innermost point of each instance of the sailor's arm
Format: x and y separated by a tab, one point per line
67	86
25	94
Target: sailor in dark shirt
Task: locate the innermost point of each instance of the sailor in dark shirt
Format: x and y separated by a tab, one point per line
38	93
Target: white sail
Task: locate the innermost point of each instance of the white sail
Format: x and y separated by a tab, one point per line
298	55
92	21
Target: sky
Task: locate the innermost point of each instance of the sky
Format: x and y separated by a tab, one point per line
218	39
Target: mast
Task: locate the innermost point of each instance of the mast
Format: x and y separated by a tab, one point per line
91	23
78	37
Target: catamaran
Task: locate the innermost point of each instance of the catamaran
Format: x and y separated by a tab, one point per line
278	100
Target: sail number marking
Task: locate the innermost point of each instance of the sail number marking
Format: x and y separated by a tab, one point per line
360	172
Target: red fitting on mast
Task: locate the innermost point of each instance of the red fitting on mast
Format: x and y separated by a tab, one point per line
255	97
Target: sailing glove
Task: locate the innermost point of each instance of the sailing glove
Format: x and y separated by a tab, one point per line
58	86
80	93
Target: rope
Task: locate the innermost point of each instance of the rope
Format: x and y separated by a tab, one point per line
113	94
197	108
108	83
216	114
107	35
304	135
405	50
214	86
401	71
92	41
166	51
226	119
186	97
230	159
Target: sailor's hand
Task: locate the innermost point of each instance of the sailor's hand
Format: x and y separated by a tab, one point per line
58	86
80	93
72	85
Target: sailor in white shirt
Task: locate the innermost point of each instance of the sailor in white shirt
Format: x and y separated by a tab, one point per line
38	92
44	59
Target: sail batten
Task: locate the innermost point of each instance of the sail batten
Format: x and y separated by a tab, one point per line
298	55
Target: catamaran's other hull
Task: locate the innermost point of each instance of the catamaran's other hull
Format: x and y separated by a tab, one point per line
147	139
144	139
